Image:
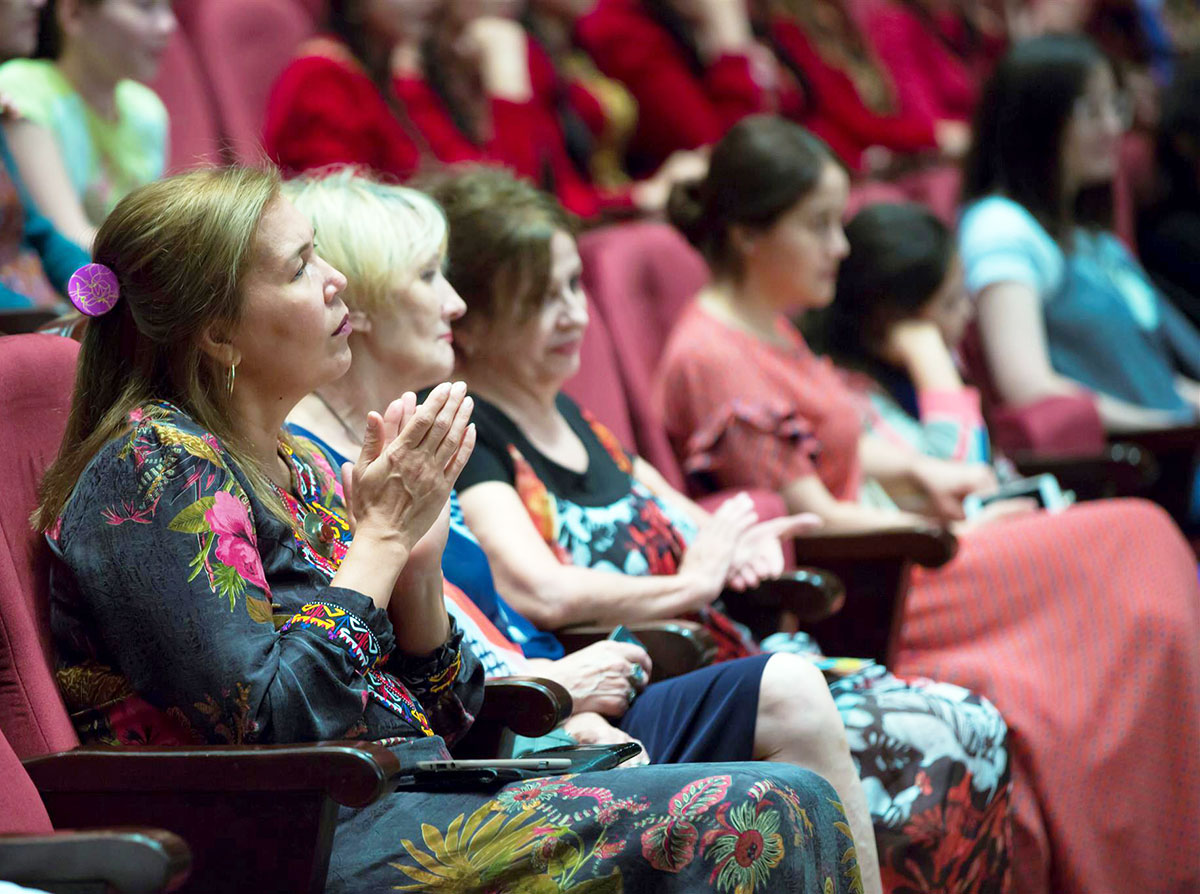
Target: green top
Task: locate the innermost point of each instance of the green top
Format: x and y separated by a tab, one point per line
104	159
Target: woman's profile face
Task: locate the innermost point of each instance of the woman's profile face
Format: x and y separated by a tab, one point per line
413	329
1093	131
950	307
293	335
796	260
543	351
126	38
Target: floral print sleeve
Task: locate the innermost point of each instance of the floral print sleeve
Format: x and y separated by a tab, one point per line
172	582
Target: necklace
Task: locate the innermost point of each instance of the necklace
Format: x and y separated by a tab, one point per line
355	437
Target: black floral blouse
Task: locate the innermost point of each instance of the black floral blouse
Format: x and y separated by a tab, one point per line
185	611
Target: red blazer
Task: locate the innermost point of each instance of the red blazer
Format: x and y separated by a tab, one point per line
931	81
836	112
324	109
678	108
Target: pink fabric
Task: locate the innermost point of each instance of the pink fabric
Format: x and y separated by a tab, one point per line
194	137
21	808
640	277
36	376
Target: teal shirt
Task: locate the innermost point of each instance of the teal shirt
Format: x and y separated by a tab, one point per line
1107	326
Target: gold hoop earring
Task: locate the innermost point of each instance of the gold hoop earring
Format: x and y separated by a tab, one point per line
232	376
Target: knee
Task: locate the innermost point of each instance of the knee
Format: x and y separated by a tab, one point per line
794	696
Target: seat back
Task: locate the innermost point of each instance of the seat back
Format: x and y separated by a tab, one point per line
36	377
21	809
243	45
195	138
640	278
597	387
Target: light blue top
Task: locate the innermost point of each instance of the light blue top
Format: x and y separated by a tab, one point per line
1107	326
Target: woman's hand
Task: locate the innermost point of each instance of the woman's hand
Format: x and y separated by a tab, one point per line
400	484
709	558
1003	510
588	728
947	483
604	677
759	553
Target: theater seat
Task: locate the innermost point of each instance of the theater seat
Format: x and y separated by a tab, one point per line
243	45
640	277
194	138
267	810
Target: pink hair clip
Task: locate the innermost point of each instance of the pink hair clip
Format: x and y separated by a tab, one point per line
93	289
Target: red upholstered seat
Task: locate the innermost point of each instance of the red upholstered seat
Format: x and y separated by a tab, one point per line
243	45
195	138
21	808
36	377
639	278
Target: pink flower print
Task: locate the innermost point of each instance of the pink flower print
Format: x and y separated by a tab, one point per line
237	545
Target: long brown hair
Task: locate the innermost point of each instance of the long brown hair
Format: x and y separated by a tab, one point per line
180	248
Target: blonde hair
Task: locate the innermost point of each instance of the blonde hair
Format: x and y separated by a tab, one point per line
377	234
180	248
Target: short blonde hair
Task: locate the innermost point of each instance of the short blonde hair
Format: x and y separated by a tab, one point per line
377	234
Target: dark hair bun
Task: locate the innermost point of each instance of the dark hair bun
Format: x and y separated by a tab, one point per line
687	211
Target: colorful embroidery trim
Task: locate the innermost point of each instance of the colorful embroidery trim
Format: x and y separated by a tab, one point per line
342	627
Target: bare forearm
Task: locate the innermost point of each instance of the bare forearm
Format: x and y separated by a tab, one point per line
418	614
571	595
1119	416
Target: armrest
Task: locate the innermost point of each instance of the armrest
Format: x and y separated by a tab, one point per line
1118	470
929	547
353	774
675	647
529	706
129	860
25	319
810	594
1162	440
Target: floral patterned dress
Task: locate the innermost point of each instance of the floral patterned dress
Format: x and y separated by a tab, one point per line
932	756
168	579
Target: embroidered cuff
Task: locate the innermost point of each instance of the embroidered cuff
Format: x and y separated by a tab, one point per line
350	620
431	673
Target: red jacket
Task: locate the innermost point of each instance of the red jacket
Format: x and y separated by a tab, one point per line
324	109
678	107
836	112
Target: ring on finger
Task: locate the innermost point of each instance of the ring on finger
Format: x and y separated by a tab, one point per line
637	676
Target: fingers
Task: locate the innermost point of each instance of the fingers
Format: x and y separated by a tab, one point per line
450	444
373	440
348	491
420	422
458	462
790	525
629	654
397	414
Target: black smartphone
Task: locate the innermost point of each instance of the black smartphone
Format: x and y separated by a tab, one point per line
585	758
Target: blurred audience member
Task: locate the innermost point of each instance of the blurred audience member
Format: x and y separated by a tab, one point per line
100	131
1063	306
747	404
899	313
35	261
1169	228
693	67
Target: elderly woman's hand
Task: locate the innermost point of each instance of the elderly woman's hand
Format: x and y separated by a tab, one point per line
706	564
603	677
759	553
589	728
401	483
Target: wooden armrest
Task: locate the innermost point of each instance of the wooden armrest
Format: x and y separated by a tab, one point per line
1119	470
1162	440
19	321
128	860
811	594
675	647
929	547
351	773
529	706
257	818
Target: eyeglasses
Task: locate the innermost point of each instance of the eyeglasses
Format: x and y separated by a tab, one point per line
1093	109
